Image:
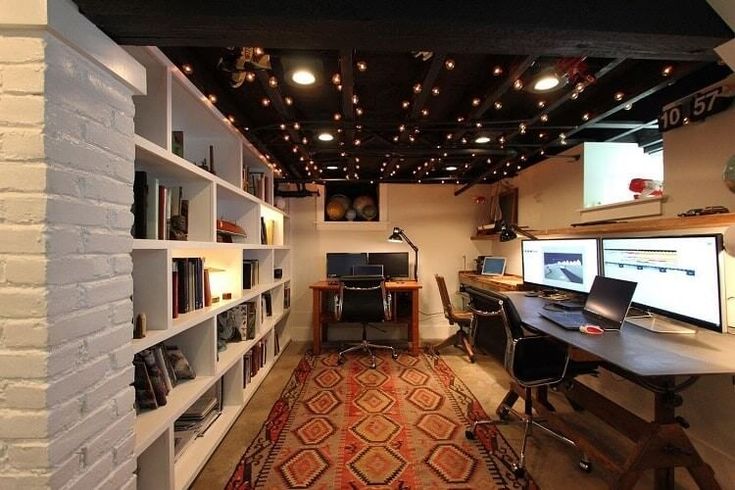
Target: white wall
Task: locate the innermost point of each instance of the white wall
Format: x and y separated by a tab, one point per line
439	223
66	152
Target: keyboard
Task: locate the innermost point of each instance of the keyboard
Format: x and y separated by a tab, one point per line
572	320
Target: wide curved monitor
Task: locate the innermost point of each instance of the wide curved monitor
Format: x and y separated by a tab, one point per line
677	276
569	264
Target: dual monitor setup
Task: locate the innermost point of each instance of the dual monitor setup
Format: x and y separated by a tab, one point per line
677	276
391	265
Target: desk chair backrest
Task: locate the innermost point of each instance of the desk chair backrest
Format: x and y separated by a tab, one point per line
531	360
446	301
362	299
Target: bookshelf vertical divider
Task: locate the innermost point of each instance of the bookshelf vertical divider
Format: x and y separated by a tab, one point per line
179	205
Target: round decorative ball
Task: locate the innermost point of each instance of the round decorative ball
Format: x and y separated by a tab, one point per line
351	214
361	203
335	210
369	212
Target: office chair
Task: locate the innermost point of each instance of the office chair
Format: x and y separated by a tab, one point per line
531	361
363	299
463	319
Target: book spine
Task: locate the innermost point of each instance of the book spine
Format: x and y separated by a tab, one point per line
175	292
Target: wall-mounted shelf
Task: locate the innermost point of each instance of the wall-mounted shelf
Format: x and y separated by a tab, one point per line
633	226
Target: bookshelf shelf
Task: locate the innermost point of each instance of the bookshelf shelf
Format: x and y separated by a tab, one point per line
179	195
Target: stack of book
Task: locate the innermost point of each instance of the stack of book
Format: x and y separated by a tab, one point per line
250	273
187	285
254	359
159	212
197	418
157	371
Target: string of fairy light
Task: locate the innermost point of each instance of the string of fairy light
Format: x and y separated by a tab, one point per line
439	159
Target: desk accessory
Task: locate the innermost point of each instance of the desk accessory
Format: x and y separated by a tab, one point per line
398	236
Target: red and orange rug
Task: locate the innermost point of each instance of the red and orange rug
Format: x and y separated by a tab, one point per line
398	426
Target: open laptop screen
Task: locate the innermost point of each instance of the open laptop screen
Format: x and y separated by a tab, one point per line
610	298
493	266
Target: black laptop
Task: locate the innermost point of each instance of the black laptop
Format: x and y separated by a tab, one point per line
606	306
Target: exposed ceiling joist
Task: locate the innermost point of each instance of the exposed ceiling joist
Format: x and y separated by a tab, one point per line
635	28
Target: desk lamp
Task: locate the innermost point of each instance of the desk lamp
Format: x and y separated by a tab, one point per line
399	236
508	232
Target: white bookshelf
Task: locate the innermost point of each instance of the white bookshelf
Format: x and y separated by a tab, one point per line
173	103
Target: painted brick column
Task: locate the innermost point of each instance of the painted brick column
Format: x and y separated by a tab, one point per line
66	174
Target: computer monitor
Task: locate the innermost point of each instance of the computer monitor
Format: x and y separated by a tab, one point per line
493	266
570	264
677	276
395	264
368	270
340	264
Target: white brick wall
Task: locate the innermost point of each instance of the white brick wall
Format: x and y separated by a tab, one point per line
66	173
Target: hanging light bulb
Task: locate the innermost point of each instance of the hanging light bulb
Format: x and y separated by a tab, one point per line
362	65
417	88
449	64
273	82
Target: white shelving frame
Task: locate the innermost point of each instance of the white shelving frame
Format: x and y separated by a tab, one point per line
173	103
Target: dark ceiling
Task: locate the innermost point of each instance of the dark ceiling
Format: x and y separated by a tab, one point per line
622	61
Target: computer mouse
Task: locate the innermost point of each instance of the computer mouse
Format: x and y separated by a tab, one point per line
591	329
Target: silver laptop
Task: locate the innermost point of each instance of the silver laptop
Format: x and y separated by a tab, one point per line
493	266
606	306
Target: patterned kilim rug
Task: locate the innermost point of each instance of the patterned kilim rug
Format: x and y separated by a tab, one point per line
398	426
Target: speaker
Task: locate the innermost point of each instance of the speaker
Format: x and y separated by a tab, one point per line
277	273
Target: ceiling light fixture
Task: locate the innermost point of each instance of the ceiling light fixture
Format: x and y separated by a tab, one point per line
482	139
303	77
450	168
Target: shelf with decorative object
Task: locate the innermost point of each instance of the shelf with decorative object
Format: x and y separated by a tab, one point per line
636	226
193	175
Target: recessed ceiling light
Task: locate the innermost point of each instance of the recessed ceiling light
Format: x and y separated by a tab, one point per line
303	77
325	136
450	168
332	167
482	139
546	82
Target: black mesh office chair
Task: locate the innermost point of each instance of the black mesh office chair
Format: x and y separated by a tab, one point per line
532	361
363	299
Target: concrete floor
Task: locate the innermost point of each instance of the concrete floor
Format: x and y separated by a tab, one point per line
552	464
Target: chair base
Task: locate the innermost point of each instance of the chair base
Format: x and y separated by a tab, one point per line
529	422
367	347
459	339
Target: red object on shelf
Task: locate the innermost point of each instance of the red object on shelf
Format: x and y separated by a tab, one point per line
229	227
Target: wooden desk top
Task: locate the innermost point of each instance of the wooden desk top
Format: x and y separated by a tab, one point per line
389	285
507	282
639	351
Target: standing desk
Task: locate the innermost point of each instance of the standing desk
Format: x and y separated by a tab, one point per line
653	361
320	318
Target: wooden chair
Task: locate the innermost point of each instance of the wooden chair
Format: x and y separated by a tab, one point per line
463	319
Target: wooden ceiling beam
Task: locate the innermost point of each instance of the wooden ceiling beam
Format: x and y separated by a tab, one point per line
567	28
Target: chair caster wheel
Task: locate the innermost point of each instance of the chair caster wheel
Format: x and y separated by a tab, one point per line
394	355
340	360
472	359
469	435
518	472
503	413
585	466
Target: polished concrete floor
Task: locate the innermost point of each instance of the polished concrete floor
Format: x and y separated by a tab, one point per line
552	464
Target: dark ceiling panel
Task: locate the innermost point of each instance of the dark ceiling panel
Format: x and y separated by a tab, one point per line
608	46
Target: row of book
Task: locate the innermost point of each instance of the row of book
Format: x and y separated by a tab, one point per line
256	183
159	212
157	371
250	273
267	230
198	418
254	359
188	288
